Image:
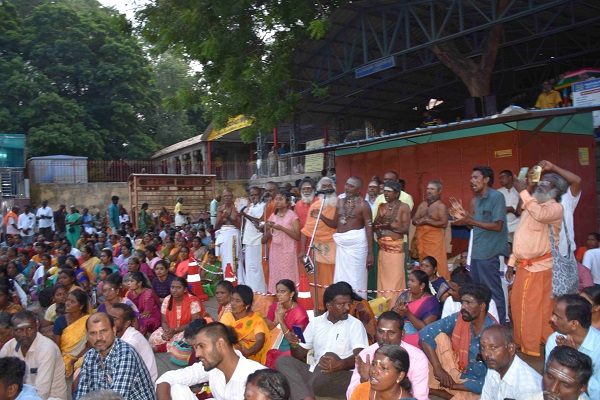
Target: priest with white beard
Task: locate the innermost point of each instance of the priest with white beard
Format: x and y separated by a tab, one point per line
323	244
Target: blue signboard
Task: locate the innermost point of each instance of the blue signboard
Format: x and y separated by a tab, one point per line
377	66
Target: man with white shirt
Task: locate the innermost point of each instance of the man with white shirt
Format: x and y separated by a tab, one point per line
569	201
253	274
336	338
390	329
591	260
123	316
44	217
452	304
70	250
508	377
45	366
26	224
513	202
225	369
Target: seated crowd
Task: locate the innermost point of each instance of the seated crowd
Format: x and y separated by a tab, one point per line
109	302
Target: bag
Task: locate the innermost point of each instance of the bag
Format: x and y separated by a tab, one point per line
180	353
565	275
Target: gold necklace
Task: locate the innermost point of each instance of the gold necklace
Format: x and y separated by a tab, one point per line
399	396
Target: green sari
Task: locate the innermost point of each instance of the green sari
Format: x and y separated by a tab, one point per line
144	221
73	231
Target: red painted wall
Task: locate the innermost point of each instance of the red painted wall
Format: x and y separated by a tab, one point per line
452	161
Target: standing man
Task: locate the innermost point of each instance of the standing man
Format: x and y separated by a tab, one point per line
113	215
323	243
123	316
307	197
490	235
513	203
227	241
43	357
549	98
354	237
572	320
508	377
44	219
254	275
112	363
431	218
569	201
214	205
336	338
59	220
272	162
27	224
180	214
372	193
11	221
390	330
390	225
531	299
225	368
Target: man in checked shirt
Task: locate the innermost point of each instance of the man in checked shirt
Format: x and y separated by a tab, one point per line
112	364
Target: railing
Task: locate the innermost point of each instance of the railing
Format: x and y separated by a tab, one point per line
82	171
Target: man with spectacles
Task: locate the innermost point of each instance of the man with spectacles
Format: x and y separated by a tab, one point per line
46	369
336	338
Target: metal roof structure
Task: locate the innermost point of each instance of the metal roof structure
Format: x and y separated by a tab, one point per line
376	65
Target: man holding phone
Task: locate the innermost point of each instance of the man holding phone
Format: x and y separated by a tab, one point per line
336	337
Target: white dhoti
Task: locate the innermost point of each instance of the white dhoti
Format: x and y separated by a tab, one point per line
254	275
228	246
182	392
351	259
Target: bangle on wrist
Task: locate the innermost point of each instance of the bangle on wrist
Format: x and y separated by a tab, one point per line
286	332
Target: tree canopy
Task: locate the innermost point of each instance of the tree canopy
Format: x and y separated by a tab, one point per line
76	81
244	48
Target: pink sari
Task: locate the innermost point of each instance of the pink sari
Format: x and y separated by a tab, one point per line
147	302
295	316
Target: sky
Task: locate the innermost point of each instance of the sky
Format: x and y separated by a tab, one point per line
126	7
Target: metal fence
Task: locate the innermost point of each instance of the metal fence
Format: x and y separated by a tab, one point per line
82	171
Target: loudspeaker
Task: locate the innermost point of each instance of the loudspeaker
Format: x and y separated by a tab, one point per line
489	104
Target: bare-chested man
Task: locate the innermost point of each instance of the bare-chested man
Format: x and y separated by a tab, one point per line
430	219
391	224
227	242
354	237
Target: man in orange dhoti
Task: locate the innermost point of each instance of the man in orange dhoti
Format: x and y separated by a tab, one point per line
391	224
430	219
532	256
324	254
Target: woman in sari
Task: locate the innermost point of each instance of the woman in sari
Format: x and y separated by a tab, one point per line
69	331
144	219
285	312
73	226
126	254
388	378
89	260
178	310
152	257
8	303
106	261
223	293
111	290
80	272
211	272
161	284
417	305
253	332
438	284
283	230
146	301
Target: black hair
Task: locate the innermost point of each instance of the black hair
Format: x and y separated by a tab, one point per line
162	263
286	194
56	287
108	252
69	273
432	261
128	314
593	292
45	297
392	316
13	371
111	320
400	360
595	234
394	185
577	309
505	332
193	328
23	314
460	278
507	172
487	172
480	292
81	298
183	283
25	253
107	271
246	293
226	285
460	271
114	279
573	359
5	321
73	260
290	286
422	278
217	330
337	289
140	277
271	383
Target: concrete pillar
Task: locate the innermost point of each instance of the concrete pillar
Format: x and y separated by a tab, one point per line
184	159
204	153
171	165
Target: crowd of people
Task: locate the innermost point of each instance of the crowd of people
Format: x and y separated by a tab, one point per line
114	293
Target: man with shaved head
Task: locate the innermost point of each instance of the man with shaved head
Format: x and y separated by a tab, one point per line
354	237
112	363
